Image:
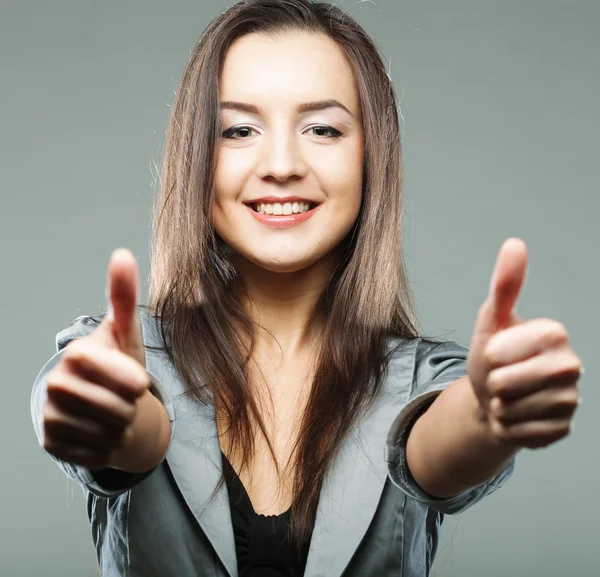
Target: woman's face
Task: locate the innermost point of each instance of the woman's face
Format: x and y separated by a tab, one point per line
290	164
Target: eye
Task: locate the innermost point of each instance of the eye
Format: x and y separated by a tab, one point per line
323	131
238	132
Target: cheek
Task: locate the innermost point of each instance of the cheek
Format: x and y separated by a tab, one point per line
227	183
232	171
340	173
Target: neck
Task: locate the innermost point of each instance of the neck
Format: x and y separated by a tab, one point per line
285	305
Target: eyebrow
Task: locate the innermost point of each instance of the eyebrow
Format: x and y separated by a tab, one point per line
302	108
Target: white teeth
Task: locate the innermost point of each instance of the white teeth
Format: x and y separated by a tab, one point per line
282	209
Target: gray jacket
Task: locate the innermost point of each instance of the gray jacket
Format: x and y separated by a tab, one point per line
372	519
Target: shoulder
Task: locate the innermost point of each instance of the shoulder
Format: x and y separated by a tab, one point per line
432	351
426	359
423	349
84	325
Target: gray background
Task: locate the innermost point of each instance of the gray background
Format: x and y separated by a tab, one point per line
500	126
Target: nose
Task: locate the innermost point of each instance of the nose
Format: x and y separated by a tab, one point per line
281	158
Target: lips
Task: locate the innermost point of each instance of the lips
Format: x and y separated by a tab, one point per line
281	220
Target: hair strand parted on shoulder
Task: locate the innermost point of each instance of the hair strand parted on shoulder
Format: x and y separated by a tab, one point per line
368	299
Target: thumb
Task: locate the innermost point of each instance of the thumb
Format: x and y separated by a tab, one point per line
121	325
508	278
497	312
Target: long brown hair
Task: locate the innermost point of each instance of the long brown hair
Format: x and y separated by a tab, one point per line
193	288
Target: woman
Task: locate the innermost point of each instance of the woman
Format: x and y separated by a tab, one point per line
274	411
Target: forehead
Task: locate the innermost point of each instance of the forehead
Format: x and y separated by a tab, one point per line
288	67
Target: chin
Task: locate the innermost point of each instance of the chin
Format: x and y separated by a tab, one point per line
275	264
286	266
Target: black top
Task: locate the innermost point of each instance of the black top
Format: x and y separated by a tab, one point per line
261	541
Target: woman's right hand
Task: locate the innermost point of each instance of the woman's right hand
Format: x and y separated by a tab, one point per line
96	391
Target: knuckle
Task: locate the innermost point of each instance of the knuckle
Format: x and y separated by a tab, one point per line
569	400
565	429
76	350
496	384
573	367
55	380
572	370
145	383
140	379
555	333
501	433
491	354
50	415
147	380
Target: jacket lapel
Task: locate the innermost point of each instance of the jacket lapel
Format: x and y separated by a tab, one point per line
351	489
195	461
194	455
354	484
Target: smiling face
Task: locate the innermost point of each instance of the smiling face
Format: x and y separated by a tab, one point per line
289	170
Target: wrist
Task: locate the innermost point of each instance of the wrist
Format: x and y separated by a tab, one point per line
483	429
146	439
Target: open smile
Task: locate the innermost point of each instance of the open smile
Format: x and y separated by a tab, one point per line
282	212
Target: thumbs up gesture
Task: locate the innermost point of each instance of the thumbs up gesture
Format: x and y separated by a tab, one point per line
94	391
524	373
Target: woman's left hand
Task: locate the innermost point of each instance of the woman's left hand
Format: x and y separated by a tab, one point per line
524	373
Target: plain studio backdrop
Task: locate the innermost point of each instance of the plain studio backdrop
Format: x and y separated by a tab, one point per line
500	123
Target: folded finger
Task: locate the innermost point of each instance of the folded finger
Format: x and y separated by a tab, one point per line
525	340
551	369
79	454
110	368
549	403
71	429
532	434
78	396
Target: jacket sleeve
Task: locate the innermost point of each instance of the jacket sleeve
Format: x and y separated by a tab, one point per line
436	365
108	482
